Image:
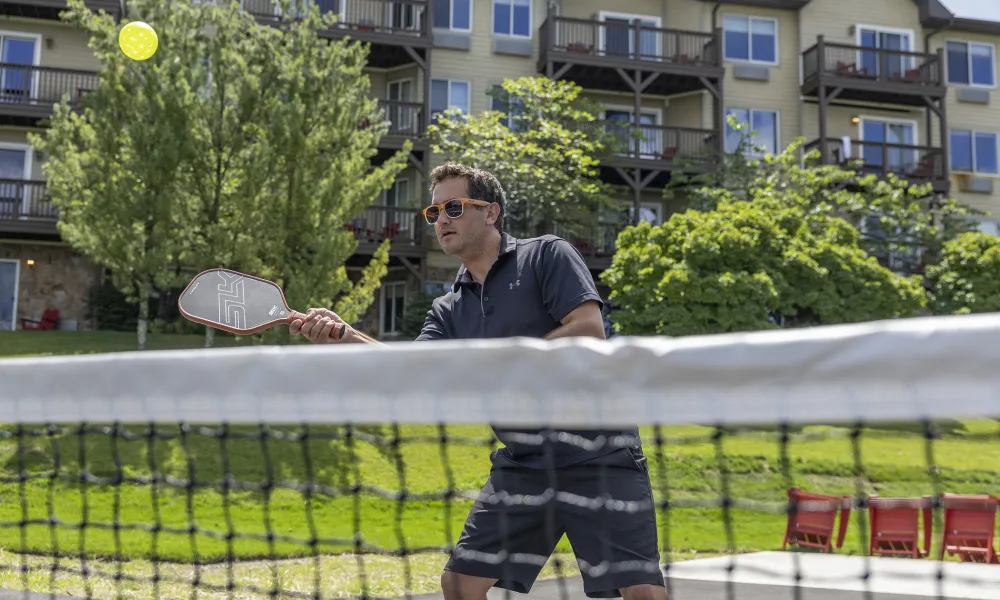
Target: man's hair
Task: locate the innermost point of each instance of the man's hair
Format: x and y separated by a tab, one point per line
482	184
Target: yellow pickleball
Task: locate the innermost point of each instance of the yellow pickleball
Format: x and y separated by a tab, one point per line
137	40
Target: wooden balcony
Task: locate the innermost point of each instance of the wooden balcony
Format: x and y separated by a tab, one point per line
50	9
873	74
25	209
404	226
395	29
662	147
27	93
598	244
594	54
920	165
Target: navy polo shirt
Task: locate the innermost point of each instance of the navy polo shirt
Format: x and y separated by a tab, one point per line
531	286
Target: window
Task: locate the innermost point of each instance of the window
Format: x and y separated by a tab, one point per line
763	131
887	57
752	39
448	93
511	107
974	152
989	227
512	17
970	64
393	303
453	14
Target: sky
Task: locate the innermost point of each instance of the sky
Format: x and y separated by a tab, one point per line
983	10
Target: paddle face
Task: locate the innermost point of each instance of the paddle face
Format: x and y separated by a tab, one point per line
233	302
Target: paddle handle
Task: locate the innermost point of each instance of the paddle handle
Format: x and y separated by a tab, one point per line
335	333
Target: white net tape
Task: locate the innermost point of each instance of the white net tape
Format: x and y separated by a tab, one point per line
926	368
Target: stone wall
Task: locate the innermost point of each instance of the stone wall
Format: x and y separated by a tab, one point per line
59	278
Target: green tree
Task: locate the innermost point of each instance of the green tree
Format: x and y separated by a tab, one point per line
750	265
237	144
545	148
901	223
967	278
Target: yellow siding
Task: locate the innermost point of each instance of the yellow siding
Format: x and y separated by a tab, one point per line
589	9
68	50
781	91
836	20
976	117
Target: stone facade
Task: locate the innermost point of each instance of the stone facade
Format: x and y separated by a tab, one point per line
58	278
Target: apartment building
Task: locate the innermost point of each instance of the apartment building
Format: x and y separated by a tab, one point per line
904	85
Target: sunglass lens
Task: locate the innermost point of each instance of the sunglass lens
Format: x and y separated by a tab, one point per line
431	214
453	208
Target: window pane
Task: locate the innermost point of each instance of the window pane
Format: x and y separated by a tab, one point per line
501	17
958	63
460	96
765	128
522	18
497	102
986	153
439	95
763	46
460	13
982	64
442	14
961	150
732	136
737	38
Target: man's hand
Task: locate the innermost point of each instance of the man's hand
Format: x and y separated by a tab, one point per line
320	326
323	326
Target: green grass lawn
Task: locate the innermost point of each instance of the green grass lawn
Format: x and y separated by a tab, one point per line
51	343
194	522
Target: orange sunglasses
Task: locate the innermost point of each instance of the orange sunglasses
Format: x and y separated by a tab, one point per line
454	208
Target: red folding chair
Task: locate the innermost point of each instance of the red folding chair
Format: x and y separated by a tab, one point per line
48	322
895	526
811	519
969	525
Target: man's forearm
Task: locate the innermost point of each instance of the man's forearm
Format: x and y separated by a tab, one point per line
577	329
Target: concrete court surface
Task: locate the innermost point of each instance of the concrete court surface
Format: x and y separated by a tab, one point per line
770	576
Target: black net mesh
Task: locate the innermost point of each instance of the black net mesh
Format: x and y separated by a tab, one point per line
178	510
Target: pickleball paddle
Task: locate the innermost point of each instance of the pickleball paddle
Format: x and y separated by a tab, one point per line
238	303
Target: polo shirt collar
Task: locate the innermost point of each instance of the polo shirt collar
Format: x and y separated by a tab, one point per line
508	244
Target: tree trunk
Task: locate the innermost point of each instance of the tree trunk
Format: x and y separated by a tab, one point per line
143	315
209	337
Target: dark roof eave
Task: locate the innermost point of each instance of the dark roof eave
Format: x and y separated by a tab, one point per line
934	15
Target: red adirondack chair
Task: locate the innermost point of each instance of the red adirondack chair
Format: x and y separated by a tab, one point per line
48	322
895	526
811	519
969	525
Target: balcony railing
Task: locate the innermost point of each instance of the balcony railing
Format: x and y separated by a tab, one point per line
660	142
630	40
22	199
917	164
880	65
404	226
598	243
400	17
405	118
44	86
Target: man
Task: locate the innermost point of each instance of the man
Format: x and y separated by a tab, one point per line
537	287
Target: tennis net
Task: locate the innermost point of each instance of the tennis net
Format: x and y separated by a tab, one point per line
860	459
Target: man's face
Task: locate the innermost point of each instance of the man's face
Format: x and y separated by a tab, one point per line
462	236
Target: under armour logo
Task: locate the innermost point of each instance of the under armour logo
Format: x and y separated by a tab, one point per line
517	283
